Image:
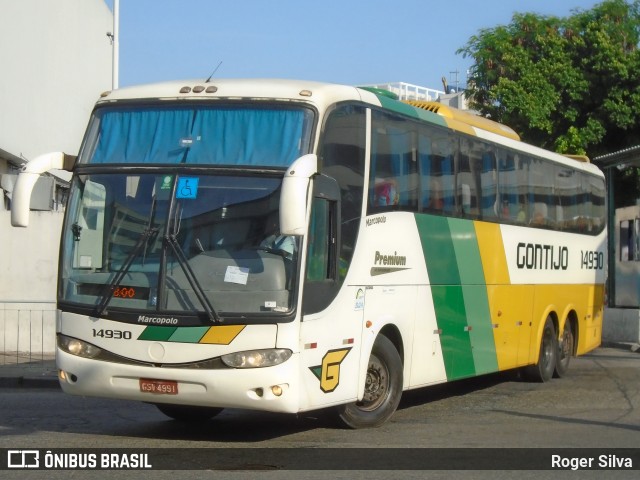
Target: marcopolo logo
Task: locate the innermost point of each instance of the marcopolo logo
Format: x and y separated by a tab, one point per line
158	320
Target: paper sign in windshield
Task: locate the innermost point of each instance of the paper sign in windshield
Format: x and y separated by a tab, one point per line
238	275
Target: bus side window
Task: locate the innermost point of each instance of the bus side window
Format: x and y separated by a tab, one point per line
490	205
438	183
322	275
393	177
436	166
342	157
321	241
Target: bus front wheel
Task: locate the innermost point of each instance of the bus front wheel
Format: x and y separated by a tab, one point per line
543	370
382	391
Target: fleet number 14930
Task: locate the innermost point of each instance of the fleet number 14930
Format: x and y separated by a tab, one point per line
114	334
592	260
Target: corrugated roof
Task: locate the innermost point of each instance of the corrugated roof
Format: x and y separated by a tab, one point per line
11	158
627	155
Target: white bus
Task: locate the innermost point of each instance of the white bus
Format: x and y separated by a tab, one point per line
288	246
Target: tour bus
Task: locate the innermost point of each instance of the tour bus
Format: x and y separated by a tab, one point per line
288	246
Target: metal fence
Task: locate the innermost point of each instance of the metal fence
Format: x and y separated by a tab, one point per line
27	331
408	91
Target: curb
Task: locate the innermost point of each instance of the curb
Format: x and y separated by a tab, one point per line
29	382
629	346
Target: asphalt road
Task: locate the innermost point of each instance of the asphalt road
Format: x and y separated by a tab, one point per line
594	409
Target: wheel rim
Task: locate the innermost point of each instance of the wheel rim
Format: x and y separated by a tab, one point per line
566	348
376	386
547	349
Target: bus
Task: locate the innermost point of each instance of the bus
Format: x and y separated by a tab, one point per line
290	246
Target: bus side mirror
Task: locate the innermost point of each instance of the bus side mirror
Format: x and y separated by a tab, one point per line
294	195
21	197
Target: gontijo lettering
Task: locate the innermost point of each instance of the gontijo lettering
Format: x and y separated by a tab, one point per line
535	256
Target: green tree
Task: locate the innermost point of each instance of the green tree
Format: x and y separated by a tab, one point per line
569	84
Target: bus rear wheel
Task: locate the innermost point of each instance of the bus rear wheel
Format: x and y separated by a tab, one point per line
188	413
543	370
565	351
382	391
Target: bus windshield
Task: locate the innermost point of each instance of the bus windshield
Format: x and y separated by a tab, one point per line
230	134
146	234
182	243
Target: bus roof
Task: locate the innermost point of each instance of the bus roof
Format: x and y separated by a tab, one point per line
249	88
323	94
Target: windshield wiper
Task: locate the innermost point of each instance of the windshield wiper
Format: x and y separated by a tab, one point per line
191	277
107	294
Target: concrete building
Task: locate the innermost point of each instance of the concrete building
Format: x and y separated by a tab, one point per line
56	60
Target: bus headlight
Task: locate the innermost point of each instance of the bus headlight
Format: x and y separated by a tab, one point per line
257	358
77	347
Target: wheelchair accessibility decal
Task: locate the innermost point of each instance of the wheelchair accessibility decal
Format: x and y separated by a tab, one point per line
187	187
329	372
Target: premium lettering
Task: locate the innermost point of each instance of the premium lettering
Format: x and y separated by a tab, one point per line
394	259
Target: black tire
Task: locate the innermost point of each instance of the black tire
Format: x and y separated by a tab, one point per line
382	390
188	413
565	351
543	370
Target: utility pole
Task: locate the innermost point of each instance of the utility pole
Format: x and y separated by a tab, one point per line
455	79
116	45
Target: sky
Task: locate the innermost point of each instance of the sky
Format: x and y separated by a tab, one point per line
353	42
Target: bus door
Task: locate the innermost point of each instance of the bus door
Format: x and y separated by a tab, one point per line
332	314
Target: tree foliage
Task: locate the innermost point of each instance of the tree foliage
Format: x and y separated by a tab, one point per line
569	84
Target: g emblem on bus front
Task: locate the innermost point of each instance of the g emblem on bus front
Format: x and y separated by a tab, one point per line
329	372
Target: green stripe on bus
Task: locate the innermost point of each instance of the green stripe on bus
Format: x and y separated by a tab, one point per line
410	111
451	316
465	244
452	256
438	249
188	334
483	345
448	299
159	334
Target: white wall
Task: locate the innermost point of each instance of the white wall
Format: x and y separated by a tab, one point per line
29	257
28	280
55	60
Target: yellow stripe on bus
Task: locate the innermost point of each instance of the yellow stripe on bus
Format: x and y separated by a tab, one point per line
222	335
494	260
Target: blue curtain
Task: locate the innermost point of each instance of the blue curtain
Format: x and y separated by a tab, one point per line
227	136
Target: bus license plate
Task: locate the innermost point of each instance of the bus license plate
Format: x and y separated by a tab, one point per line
160	387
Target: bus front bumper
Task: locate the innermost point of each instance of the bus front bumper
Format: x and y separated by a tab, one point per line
273	389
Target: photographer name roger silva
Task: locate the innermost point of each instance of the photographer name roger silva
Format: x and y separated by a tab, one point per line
609	461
